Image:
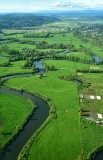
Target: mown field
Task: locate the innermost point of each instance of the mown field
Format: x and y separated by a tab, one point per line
13	112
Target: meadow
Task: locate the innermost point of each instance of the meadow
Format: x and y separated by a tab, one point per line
13	112
67	107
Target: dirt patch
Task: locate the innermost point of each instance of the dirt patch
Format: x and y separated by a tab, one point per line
93	115
89	92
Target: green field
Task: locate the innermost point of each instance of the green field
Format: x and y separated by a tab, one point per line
92	132
68	116
63	64
19	47
67	107
13	112
16	67
71	136
79	55
12	70
3	60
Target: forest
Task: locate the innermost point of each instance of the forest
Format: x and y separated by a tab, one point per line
18	21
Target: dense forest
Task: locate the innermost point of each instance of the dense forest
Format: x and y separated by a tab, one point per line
19	21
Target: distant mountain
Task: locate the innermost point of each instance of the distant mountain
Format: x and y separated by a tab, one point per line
25	20
18	20
71	13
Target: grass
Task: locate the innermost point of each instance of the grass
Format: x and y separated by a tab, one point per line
67	64
61	135
92	133
13	70
65	137
79	55
13	112
19	47
16	68
18	63
92	136
3	60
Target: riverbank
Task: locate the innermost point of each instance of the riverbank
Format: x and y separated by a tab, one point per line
34	122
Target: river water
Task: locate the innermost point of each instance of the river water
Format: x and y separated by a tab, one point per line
99	156
96	59
35	121
38	65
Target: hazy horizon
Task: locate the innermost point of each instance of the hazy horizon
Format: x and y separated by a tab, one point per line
10	6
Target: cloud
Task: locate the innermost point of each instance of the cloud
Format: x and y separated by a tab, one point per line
78	5
17	8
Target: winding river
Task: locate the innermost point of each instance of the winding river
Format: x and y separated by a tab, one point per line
34	122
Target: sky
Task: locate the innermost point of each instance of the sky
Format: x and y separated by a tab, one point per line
37	5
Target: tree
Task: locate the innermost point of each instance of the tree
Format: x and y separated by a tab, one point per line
34	68
41	76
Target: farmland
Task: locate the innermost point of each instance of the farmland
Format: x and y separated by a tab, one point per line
72	55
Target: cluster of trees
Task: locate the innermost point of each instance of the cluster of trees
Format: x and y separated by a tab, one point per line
70	58
81	84
89	70
38	35
68	77
6	64
9	51
86	51
46	45
28	63
51	68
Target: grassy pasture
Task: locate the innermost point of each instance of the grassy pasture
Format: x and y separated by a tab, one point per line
62	134
19	47
18	63
13	70
13	112
3	60
70	65
79	55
